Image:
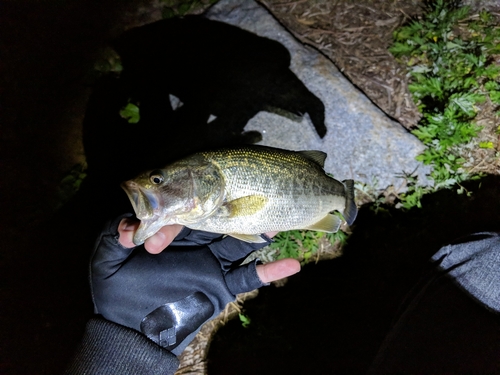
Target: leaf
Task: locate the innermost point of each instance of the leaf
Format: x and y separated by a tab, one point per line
451	45
487	145
305	21
245	320
465	104
491	85
495	96
420	69
492	71
285	243
131	113
185	7
401	49
470	82
167	13
430	87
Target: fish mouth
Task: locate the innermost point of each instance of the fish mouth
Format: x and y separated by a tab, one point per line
146	204
147	207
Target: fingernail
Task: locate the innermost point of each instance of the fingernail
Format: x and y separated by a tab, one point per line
127	225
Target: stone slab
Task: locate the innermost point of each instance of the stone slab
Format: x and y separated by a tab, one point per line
362	143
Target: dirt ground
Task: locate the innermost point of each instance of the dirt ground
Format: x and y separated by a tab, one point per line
356	36
48	51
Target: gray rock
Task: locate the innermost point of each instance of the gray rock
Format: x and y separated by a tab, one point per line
478	5
362	143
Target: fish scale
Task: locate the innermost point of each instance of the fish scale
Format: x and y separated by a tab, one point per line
242	192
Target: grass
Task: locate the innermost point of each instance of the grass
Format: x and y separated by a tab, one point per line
449	57
178	8
70	184
303	244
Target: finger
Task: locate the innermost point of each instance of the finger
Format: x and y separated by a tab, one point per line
277	270
126	230
161	239
271	234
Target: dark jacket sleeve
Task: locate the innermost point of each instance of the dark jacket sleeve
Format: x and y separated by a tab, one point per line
109	348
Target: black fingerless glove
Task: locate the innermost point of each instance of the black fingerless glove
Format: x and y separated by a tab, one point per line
168	296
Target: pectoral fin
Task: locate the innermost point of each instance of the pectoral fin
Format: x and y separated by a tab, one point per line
252	238
330	224
245	206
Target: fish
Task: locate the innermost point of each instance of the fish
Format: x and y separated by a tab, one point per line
242	192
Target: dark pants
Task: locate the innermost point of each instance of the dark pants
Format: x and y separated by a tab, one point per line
450	322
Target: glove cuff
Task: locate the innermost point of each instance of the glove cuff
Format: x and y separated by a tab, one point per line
244	278
111	227
109	348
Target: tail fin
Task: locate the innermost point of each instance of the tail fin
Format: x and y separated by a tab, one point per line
351	210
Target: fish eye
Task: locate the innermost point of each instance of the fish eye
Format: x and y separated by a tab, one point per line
156	177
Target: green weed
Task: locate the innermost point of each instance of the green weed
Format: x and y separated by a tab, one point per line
131	113
303	244
175	8
70	184
245	320
449	60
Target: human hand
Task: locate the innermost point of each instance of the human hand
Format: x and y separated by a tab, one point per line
155	244
159	241
168	296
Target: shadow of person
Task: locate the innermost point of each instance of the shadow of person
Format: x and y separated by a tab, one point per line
216	70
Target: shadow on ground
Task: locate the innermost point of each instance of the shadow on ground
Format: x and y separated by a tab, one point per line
218	72
332	317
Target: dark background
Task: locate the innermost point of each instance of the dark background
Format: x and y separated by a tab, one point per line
331	318
46	53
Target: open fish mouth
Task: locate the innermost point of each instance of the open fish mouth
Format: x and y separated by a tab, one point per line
147	207
146	204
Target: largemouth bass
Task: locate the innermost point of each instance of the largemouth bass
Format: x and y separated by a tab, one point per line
242	192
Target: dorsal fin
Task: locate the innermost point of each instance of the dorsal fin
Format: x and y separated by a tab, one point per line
316	156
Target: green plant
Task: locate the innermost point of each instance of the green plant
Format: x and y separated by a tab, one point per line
245	320
302	244
70	184
174	8
449	60
108	62
131	113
